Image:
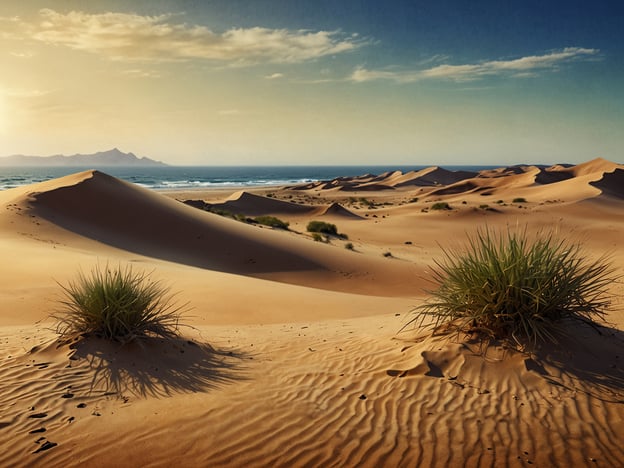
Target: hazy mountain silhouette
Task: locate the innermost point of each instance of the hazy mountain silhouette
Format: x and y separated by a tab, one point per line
112	157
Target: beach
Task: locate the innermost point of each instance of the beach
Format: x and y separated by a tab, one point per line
293	352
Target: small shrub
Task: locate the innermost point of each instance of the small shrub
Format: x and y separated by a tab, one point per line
484	207
118	305
440	206
519	200
271	221
349	246
322	227
512	288
387	254
317	237
220	212
413	200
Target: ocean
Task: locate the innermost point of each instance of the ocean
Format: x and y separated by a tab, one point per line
189	177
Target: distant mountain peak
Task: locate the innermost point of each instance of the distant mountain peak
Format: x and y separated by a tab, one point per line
112	157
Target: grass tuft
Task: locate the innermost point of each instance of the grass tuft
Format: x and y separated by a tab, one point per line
117	304
271	221
441	206
322	227
510	287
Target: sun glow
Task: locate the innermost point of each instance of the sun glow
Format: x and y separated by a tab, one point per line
3	115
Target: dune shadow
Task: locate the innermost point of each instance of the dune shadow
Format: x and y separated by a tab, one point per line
588	358
157	367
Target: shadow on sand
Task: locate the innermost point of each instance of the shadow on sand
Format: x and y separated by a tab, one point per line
156	367
589	359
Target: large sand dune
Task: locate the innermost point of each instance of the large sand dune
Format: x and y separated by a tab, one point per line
293	358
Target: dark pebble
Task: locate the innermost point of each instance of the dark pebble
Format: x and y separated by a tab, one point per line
46	446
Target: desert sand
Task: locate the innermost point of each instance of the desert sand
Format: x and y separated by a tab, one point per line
291	354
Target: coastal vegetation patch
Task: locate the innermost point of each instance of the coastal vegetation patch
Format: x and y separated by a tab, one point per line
117	304
515	287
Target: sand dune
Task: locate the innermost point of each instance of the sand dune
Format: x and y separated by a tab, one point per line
306	369
611	183
254	205
96	206
336	209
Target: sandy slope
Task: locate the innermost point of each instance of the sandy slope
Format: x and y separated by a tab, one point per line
305	369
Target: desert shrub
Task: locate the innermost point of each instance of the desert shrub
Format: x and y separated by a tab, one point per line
322	227
510	287
349	246
317	237
519	200
484	207
117	304
271	221
220	212
440	206
387	254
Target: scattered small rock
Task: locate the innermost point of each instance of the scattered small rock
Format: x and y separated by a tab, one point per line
46	446
37	431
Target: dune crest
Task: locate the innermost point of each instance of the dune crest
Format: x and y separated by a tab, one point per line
96	206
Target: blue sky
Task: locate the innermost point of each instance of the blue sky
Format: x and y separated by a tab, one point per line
322	82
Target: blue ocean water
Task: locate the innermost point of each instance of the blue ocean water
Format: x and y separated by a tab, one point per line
188	177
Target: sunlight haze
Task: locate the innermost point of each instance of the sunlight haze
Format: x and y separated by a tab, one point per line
269	82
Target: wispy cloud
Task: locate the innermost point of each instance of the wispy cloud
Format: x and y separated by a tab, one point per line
522	67
140	73
274	76
122	36
24	55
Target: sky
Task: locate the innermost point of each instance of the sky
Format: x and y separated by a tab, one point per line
299	82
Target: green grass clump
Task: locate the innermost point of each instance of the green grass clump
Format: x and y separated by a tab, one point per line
440	206
220	212
271	221
513	288
322	227
117	304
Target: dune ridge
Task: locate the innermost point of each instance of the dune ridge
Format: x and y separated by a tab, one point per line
96	206
436	181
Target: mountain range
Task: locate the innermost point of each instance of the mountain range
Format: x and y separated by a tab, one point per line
113	157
